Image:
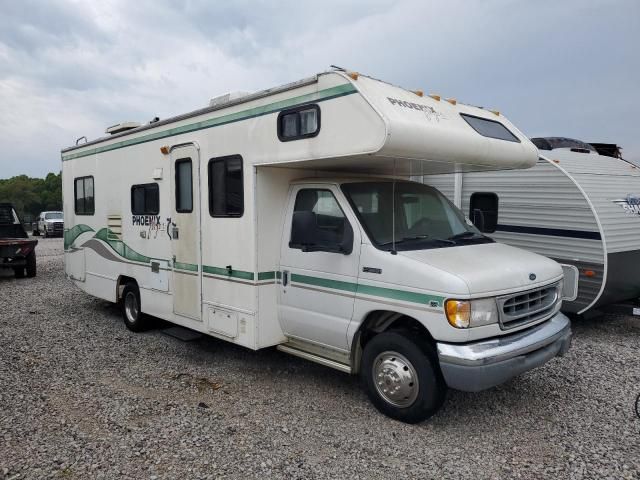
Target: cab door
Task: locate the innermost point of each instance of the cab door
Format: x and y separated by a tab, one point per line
184	230
318	266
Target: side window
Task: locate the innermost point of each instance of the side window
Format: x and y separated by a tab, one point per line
184	186
145	199
490	128
319	223
226	189
298	123
84	196
483	211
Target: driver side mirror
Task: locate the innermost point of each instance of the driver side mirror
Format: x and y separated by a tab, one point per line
308	236
478	219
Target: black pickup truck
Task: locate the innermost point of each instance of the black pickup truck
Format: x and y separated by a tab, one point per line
17	251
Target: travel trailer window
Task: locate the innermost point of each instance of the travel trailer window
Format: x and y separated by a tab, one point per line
490	128
226	190
330	220
145	199
84	196
483	211
184	186
424	218
299	122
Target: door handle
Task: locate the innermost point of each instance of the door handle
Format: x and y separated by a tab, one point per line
285	278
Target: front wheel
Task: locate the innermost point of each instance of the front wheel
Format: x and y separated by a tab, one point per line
402	377
134	319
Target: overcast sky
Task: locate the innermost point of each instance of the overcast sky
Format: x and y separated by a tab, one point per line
72	68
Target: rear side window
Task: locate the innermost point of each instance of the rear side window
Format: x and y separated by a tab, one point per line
145	199
483	211
184	186
226	190
490	128
84	196
298	123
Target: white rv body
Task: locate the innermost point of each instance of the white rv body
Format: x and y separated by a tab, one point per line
576	207
237	278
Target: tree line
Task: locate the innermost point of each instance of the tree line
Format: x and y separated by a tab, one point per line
30	196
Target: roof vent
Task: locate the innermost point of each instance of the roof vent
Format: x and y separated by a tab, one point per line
227	98
121	127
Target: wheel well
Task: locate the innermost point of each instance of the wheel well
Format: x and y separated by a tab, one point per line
380	321
120	284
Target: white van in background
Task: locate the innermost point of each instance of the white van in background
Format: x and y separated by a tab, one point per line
284	218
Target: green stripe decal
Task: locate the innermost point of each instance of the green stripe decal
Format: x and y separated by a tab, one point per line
228	273
324	282
120	247
74	232
391	293
322	95
185	266
266	276
403	295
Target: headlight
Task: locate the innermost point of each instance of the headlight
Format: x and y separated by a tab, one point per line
471	313
560	288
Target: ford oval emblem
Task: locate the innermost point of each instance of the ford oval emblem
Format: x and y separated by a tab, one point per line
532	276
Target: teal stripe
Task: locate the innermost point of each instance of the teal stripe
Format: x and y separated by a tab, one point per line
391	293
120	247
322	95
185	266
324	282
403	295
224	272
74	232
266	276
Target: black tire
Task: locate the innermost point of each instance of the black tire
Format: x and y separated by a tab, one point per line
31	264
18	272
46	234
402	360
130	306
35	232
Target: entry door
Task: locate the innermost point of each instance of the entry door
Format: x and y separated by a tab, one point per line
317	289
184	230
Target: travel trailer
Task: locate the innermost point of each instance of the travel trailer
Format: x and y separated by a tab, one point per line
576	206
284	218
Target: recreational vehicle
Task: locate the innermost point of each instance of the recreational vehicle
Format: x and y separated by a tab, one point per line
284	218
576	206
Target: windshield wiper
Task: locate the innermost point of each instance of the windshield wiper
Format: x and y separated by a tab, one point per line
466	234
421	237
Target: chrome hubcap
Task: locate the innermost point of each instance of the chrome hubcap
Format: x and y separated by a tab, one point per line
131	307
395	378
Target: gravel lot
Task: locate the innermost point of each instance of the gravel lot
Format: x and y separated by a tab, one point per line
82	397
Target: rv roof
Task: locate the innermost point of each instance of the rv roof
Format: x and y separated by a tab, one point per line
551	143
201	111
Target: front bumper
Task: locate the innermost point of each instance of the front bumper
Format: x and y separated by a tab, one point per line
472	367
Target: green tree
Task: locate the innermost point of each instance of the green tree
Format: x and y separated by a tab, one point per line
30	196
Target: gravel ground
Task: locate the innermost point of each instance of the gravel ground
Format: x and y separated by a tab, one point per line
82	397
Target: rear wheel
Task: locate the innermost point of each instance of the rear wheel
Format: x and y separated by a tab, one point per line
31	265
134	319
402	377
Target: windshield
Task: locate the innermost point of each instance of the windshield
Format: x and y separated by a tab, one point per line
424	218
53	216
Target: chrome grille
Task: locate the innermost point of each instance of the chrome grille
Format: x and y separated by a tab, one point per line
527	307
